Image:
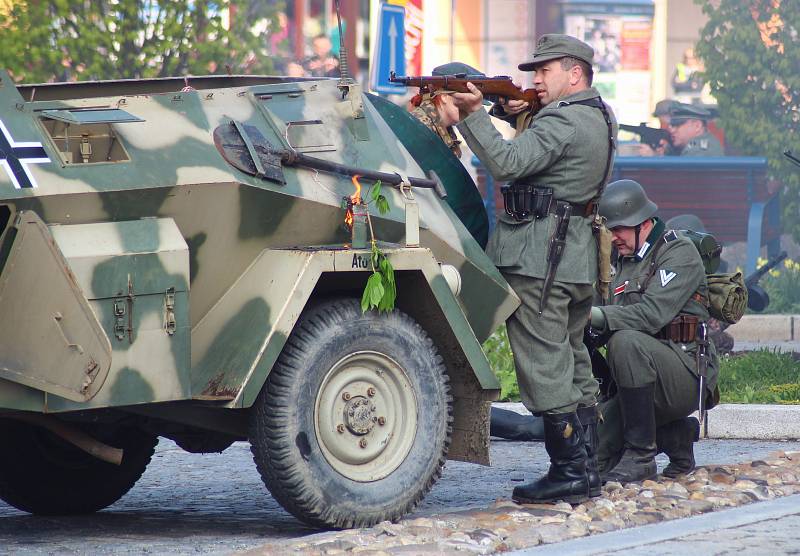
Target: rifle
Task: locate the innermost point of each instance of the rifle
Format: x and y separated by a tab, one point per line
788	154
650	135
757	297
491	87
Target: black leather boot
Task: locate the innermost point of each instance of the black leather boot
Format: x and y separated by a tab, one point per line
513	426
676	439
588	418
566	480
639	430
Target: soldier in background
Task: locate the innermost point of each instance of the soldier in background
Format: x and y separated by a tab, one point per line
688	129
437	111
662	111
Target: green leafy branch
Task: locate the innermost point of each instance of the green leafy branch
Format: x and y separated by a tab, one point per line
380	291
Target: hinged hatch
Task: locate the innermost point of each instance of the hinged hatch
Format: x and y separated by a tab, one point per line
51	338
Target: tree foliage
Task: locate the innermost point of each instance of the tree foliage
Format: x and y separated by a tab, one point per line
751	52
56	40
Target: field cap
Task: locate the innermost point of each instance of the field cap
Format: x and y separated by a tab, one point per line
664	107
554	46
683	112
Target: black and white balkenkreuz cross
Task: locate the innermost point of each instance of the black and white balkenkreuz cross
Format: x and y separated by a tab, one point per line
15	157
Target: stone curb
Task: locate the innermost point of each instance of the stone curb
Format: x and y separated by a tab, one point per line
737	421
766	328
651	534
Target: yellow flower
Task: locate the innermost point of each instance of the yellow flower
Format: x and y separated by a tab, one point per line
774	273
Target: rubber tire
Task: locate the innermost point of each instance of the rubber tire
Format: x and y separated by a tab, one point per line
42	474
282	432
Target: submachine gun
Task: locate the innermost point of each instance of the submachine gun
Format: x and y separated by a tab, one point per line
653	136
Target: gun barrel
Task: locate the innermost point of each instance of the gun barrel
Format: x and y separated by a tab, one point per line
762	270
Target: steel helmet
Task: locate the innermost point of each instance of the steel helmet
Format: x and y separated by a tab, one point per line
686	222
624	203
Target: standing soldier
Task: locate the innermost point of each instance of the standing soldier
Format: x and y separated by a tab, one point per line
558	167
658	302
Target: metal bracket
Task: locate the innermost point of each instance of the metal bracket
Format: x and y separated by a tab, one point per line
120	322
412	214
170	325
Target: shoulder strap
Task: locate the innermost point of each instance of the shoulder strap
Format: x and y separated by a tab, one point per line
651	271
597	102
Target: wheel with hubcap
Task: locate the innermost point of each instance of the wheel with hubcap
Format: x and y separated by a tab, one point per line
353	424
44	474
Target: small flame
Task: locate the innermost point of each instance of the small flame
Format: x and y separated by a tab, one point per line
356	197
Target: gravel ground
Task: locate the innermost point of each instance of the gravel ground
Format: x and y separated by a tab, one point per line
201	504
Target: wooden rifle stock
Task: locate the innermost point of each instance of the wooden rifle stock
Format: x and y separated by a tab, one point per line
491	87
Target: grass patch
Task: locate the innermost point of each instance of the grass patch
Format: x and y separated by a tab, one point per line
762	376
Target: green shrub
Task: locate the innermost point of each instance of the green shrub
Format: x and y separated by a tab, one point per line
502	362
783	286
763	376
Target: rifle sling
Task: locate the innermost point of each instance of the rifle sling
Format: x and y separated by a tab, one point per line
597	102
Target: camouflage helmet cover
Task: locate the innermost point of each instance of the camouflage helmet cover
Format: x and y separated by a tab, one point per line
624	203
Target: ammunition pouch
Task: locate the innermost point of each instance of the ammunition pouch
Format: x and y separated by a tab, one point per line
522	200
682	329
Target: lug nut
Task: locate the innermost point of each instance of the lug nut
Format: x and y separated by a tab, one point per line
346	396
340	428
363	443
381	421
370	391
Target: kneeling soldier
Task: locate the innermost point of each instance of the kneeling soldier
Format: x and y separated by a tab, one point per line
658	300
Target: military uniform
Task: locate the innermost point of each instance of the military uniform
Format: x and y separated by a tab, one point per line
428	115
564	148
664	279
568	148
703	145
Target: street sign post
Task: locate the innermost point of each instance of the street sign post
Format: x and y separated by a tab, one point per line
390	50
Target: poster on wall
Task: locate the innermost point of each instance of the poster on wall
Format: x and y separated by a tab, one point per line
415	26
622	59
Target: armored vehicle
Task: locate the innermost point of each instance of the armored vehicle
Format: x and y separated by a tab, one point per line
174	262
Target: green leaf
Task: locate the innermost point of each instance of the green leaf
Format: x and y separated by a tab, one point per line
375	190
382	204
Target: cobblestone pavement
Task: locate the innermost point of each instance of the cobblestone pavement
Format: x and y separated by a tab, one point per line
216	503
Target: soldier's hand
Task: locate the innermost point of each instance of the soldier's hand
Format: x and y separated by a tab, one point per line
470	102
512	106
646	150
